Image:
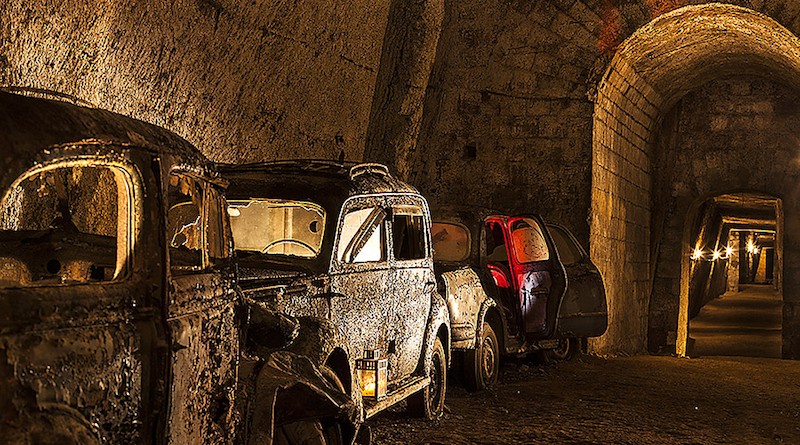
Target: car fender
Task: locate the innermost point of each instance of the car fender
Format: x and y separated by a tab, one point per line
288	388
55	421
438	319
485	306
465	298
316	339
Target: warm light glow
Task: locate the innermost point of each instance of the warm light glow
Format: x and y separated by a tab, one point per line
716	255
372	377
728	251
697	254
752	247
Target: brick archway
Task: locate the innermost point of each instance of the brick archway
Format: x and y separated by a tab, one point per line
650	72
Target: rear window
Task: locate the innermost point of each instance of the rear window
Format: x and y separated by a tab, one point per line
568	252
277	227
451	241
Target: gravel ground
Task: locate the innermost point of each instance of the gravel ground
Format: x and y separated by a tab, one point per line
624	400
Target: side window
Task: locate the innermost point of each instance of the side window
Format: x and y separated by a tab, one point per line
66	225
184	222
408	234
495	243
568	252
362	236
219	231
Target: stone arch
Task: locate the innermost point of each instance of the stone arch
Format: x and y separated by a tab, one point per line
649	73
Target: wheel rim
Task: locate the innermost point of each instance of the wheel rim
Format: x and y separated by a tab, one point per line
488	359
562	351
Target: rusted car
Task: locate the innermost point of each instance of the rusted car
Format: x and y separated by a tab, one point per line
119	317
513	285
347	249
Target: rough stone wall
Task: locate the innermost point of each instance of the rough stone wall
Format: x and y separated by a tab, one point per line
732	135
507	120
244	81
513	114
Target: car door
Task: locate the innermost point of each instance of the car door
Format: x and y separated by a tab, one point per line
537	276
78	325
360	278
200	314
584	312
412	283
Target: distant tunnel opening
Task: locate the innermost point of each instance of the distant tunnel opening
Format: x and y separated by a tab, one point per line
731	288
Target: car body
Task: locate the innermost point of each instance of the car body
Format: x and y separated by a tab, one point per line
345	248
120	320
514	285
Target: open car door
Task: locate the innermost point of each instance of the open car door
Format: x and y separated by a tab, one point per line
527	257
584	311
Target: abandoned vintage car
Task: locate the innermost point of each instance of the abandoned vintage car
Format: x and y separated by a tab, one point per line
119	317
513	285
347	249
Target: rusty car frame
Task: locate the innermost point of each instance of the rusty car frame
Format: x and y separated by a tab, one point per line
346	249
513	285
120	319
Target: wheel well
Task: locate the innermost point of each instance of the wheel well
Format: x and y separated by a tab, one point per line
493	318
337	361
443	335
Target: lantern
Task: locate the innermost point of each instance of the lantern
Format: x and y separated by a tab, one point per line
372	374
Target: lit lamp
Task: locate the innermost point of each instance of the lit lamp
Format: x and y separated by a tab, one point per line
372	374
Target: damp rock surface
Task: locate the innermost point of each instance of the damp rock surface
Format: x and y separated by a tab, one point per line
623	400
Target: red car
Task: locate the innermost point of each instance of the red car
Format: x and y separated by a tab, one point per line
513	285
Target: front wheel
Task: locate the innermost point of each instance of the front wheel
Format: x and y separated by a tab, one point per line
482	364
429	403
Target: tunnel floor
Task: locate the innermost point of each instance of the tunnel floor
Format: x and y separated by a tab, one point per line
745	323
623	400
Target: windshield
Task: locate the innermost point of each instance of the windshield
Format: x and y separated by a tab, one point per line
528	241
451	241
277	227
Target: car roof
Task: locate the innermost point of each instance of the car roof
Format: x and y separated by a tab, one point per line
36	129
303	177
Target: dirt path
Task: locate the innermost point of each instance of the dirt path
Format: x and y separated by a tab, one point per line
627	400
746	323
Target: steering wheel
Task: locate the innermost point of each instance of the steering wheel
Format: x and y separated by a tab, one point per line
289	241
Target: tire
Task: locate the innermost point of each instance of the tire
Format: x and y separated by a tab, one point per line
482	364
429	402
566	350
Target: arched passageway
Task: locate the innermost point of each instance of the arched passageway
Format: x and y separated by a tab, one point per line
646	179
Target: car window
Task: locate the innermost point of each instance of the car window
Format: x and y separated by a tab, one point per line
277	227
528	241
451	241
362	238
219	231
568	252
184	222
495	243
408	234
65	225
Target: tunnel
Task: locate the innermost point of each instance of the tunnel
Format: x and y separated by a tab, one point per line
661	136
